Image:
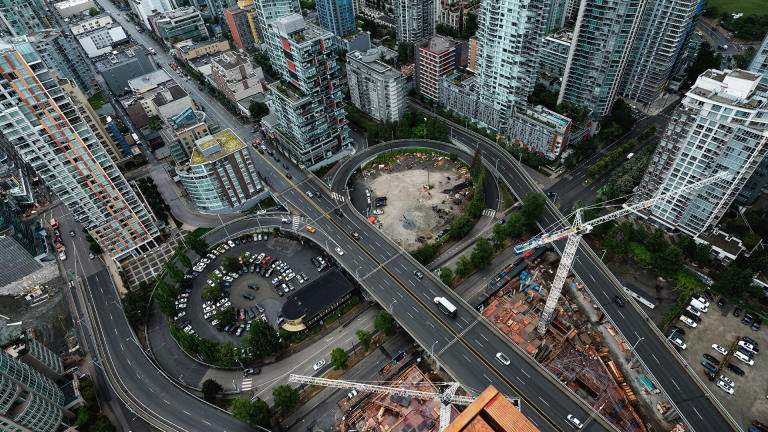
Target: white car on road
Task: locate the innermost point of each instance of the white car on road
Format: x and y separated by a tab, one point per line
719	349
339	251
319	364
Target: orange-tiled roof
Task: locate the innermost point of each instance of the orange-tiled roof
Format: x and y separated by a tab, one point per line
491	411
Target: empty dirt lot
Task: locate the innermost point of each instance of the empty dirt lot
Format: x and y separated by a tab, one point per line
415	211
748	402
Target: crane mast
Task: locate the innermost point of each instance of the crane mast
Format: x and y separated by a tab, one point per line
574	233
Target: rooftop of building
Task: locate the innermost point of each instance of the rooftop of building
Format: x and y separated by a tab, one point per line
70	3
491	411
563	35
287	90
179	12
734	87
316	296
548	117
188	117
102	29
214	147
294	27
164	95
146	81
190	45
117	58
372	59
723	242
17	262
438	44
230	60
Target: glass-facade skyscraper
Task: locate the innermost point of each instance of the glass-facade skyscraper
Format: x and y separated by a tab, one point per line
29	402
336	16
510	33
39	121
720	126
665	27
603	36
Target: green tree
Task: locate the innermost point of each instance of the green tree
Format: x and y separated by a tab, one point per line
135	305
446	275
482	253
174	273
211	390
197	243
706	58
500	233
83	415
365	339
258	109
226	315
93	11
253	414
463	266
385	323
166	304
670	261
183	258
164	287
514	225
230	264
733	281
285	397
533	206
339	358
102	424
263	339
88	390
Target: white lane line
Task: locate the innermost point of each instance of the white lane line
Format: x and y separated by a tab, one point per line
673	382
697	413
520	379
400	294
430	324
544	402
606	295
466	358
486	377
410	315
206	422
121	347
622	315
592	277
166	401
525	373
151	389
413	284
654	357
465	320
187	412
478	342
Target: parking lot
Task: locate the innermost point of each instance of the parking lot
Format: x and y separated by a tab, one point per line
296	255
719	326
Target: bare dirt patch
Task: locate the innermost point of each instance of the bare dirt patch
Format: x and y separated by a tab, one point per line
424	192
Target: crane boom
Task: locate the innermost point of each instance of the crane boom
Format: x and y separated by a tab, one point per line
586	227
374	388
574	234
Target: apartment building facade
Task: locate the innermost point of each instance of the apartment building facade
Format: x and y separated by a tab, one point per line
375	87
436	57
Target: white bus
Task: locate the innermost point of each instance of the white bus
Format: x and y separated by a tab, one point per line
445	306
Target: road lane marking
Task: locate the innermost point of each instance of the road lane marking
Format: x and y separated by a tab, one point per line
520	379
545	402
486	377
654	357
697	413
478	342
675	383
187	412
622	315
466	358
430	324
410	315
483	336
206	422
525	373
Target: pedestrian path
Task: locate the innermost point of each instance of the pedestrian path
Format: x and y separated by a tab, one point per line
247	384
337	196
489	212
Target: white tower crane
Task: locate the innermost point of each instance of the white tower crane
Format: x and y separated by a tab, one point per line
447	398
574	233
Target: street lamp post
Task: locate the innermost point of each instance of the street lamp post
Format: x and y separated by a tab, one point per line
392	304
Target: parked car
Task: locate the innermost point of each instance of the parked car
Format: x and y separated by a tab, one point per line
756	324
318	365
735	369
711	359
618	300
709	366
725	387
719	349
248	296
747	320
418	274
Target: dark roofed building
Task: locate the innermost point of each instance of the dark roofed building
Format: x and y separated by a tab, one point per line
117	69
319	298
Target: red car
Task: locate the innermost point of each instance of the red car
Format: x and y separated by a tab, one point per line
759	425
266	260
242	313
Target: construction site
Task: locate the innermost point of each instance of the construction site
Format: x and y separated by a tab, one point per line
383	412
428	191
581	351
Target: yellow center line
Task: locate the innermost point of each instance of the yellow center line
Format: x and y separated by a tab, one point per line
438	318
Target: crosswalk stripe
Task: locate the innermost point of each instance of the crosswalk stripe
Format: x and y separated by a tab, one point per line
247	384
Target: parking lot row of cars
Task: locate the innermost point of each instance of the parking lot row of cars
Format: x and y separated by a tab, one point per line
744	350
